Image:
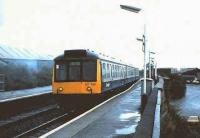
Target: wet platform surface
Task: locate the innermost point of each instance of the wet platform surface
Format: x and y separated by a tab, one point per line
12	95
190	104
118	117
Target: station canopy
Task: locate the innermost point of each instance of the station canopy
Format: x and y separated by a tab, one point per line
7	52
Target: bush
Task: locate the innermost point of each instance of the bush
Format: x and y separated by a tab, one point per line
44	76
172	124
176	88
20	77
175	126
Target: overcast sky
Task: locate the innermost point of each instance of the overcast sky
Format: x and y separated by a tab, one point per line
51	26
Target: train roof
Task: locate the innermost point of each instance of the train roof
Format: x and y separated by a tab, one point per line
87	54
77	53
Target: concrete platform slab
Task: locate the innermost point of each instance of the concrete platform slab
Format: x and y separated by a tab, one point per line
118	117
18	94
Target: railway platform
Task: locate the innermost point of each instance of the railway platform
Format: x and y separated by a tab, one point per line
20	94
115	117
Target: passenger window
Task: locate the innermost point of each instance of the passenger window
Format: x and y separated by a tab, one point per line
113	71
108	71
104	71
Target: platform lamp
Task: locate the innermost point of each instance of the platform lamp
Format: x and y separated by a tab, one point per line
130	8
143	40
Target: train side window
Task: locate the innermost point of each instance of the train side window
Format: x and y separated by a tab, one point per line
108	71
113	71
104	70
61	73
121	72
132	71
117	71
128	72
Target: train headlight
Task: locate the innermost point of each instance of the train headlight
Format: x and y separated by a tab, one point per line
89	89
60	89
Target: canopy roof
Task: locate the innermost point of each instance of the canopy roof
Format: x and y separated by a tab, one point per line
7	52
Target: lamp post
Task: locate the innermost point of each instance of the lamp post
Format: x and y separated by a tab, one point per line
156	76
143	40
150	52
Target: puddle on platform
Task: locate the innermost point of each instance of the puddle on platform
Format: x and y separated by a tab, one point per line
127	116
127	130
137	119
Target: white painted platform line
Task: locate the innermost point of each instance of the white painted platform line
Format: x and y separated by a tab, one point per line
22	97
156	127
87	112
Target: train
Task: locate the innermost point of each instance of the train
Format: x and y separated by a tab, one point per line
85	72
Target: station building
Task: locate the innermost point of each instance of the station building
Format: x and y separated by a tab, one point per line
166	72
191	74
32	59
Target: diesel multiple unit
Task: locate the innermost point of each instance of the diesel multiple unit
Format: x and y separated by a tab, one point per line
84	72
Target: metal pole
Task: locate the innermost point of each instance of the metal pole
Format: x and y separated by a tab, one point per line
156	71
149	65
145	71
152	68
144	92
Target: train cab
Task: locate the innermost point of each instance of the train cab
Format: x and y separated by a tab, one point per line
77	72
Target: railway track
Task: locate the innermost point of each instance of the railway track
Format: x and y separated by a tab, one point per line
14	107
55	122
42	123
25	121
24	134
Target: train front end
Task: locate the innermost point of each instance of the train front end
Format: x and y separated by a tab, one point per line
77	72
